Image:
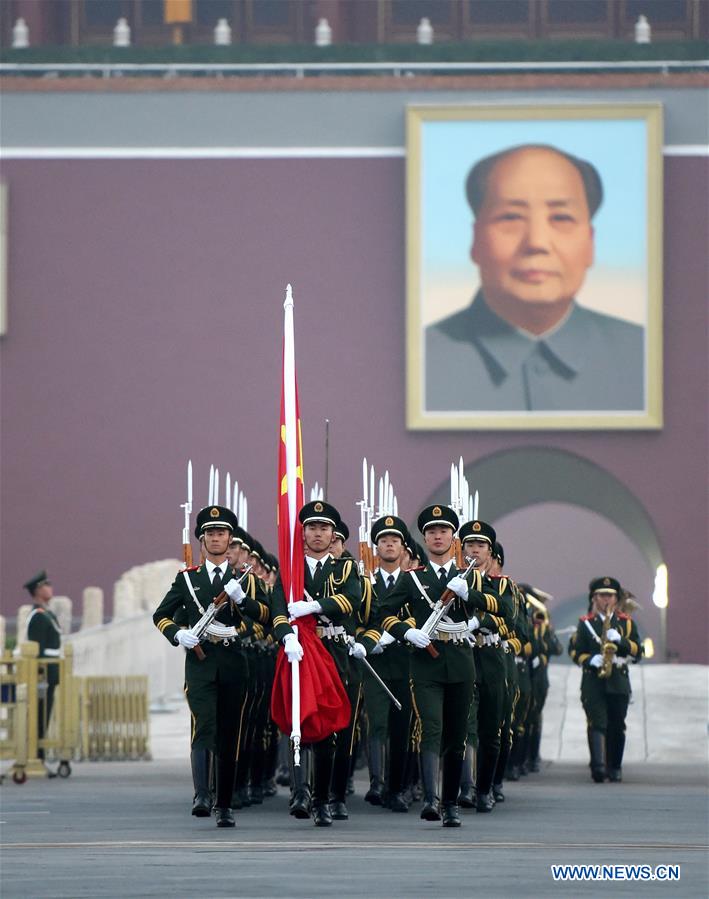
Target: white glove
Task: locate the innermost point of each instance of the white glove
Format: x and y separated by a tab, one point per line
596	661
613	635
358	651
386	639
234	591
459	586
292	648
377	650
473	624
186	639
536	662
417	638
304	607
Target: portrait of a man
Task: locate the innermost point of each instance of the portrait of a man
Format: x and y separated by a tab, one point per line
525	341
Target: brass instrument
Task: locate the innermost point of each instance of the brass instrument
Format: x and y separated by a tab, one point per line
608	649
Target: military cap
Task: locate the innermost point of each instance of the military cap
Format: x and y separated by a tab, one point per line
34	583
214	517
257	550
498	552
342	531
317	510
275	564
433	515
247	541
390	524
478	530
420	553
604	585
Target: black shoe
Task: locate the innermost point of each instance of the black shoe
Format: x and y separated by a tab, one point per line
374	794
202	805
485	803
497	793
466	797
283	776
300	804
397	803
615	775
270	789
598	775
256	794
225	818
451	818
431	811
514	773
338	810
322	816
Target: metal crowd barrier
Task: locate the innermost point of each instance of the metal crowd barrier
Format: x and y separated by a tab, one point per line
49	714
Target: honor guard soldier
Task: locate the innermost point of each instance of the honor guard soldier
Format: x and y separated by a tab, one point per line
332	595
390	659
215	671
443	680
606	641
492	625
44	629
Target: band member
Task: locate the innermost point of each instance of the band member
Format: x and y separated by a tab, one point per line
215	685
44	629
489	628
442	685
332	594
606	641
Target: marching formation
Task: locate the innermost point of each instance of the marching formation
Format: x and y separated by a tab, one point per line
424	657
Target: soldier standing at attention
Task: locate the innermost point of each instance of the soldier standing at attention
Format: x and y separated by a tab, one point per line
215	685
43	628
606	641
443	685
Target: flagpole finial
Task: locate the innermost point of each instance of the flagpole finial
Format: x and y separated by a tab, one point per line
289	297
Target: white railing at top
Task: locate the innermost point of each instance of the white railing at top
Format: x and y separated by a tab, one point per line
300	69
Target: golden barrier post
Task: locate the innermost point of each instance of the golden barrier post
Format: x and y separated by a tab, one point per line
27	674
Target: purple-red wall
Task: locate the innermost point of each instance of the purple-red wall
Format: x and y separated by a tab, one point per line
145	320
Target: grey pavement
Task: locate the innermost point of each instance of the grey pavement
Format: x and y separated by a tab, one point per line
123	829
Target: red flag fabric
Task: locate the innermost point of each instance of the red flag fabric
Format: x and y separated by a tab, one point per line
324	704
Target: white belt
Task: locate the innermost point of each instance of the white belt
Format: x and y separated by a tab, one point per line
451	637
52	653
487	639
330	631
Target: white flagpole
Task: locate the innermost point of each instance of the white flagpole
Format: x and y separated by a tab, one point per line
291	480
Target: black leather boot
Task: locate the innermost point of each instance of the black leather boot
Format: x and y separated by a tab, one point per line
225	817
323	761
487	764
375	752
452	770
535	739
597	745
429	774
615	748
301	780
466	797
202	804
451	817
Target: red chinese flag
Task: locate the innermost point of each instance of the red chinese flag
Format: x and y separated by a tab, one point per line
324	705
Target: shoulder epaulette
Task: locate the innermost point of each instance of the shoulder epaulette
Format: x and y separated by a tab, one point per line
192	568
623	616
588	617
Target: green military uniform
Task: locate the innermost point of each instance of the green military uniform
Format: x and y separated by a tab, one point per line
605	699
215	686
333	584
43	628
442	687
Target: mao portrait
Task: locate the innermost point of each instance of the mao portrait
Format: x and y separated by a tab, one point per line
549	318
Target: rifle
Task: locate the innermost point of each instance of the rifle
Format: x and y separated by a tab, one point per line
440	609
202	626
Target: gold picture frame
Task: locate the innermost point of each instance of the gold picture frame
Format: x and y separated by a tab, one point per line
620	295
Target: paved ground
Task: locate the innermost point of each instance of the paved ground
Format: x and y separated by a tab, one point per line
123	830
